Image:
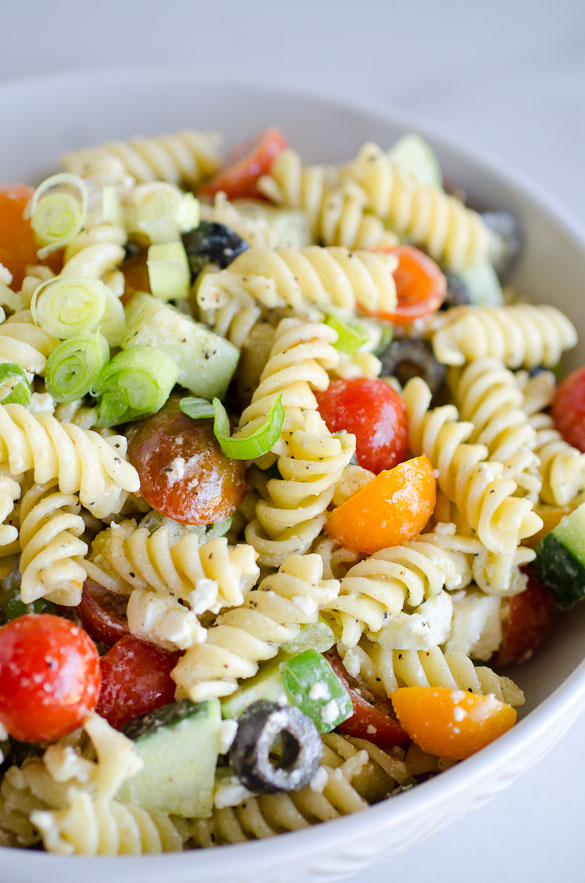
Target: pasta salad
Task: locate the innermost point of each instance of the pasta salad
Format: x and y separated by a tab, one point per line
287	480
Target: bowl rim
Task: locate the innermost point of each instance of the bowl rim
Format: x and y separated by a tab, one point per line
563	703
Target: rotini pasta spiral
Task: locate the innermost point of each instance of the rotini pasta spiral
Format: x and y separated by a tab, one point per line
337	214
486	394
378	587
391	669
426	215
94	826
186	157
243	636
208	576
290	515
562	467
474	483
313	276
51	549
96	253
342	785
25	344
523	335
9	493
81	460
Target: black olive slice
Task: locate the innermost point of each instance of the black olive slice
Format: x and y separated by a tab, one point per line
276	748
405	359
212	243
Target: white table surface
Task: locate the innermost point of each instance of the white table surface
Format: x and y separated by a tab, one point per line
506	75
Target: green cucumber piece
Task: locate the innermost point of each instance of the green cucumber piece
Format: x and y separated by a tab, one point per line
482	285
206	361
415	155
179	744
318	635
560	559
315	689
267	684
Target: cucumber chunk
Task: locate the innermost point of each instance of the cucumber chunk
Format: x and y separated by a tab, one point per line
560	559
267	684
415	155
206	361
179	744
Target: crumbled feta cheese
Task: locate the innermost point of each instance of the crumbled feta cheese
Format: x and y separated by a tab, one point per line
318	691
307	605
371	730
42	403
230	792
351	662
176	471
330	712
227	734
427	626
319	780
446	528
477	628
459	714
204	596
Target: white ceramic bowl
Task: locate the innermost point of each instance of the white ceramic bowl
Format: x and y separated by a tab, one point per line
42	119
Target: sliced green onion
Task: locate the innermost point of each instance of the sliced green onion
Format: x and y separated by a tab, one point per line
111	209
14	385
161	212
196	408
250	446
168	271
246	447
57	217
74	365
315	635
312	685
135	383
67	306
351	335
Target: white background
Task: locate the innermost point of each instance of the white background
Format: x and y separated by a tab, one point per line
509	76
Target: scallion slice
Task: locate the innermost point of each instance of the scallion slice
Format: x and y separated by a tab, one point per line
74	365
247	447
57	215
14	385
351	335
195	408
161	212
168	271
67	306
135	383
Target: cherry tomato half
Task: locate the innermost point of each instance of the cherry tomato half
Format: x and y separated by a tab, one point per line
374	413
18	246
103	613
568	409
183	472
49	677
529	620
136	678
420	285
245	165
373	716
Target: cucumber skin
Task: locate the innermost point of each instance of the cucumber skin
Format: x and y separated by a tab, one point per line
166	716
559	571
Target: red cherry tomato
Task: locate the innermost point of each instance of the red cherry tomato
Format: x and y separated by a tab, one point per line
183	472
420	285
374	413
136	678
247	163
568	409
49	677
528	622
18	246
103	613
373	720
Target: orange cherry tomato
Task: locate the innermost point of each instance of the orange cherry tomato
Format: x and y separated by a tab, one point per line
568	409
420	285
49	677
247	163
529	620
390	509
451	723
18	246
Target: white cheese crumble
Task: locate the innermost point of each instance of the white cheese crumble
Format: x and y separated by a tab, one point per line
351	662
371	730
176	471
204	596
459	714
477	629
227	733
319	780
307	605
42	403
318	691
330	712
230	792
427	626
